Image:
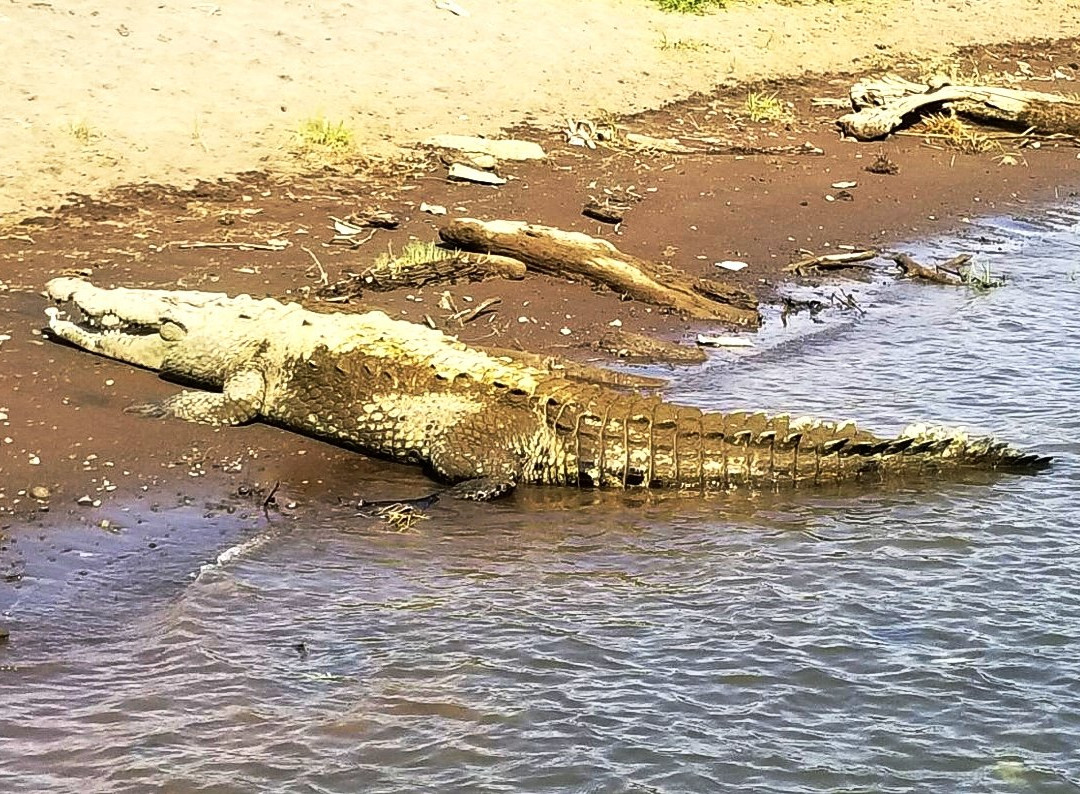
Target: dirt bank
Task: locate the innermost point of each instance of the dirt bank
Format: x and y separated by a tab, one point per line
99	95
63	429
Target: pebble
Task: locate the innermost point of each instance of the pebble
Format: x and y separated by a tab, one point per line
40	492
84	500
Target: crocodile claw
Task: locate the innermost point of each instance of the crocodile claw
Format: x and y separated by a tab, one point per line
481	489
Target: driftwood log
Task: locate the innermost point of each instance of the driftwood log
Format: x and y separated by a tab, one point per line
574	255
946	273
889	103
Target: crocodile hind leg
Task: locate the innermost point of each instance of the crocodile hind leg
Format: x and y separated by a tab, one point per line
479	455
240	401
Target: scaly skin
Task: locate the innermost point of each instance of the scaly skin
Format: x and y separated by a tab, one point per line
481	422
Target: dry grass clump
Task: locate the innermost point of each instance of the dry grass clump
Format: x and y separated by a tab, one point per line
414	253
957	134
761	107
321	134
81	131
689	6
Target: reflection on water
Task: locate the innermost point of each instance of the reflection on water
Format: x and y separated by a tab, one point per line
915	638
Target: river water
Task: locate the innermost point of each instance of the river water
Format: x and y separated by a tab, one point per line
916	638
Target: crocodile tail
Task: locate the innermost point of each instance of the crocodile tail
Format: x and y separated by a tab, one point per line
946	447
623	440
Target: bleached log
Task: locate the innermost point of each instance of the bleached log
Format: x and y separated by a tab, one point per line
889	103
571	254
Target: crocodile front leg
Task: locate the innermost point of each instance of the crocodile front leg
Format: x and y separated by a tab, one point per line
240	401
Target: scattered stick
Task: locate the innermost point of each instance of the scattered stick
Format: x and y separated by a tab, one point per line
270	500
468	315
845	300
273	245
574	255
323	279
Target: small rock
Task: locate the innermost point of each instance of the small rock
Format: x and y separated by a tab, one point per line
84	500
460	172
40	492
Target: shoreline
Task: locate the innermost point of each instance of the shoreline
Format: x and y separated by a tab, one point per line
64	407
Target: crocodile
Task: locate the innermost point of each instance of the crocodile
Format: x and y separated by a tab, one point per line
479	422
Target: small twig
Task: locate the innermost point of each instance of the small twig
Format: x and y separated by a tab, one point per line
468	315
239	246
847	301
323	278
351	240
269	500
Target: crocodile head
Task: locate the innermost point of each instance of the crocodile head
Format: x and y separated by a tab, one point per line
194	334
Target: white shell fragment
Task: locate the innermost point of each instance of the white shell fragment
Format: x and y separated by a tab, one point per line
731	264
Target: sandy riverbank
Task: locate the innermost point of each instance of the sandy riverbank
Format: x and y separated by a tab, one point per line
96	96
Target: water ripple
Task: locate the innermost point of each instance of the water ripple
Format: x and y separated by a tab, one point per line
913	638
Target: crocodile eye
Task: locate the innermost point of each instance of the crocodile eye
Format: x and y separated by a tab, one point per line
171	331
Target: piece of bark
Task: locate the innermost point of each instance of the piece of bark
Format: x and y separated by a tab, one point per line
574	255
641	348
832	262
890	103
605	212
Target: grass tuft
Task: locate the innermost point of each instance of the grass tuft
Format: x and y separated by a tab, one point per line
766	107
414	253
319	133
81	131
689	6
